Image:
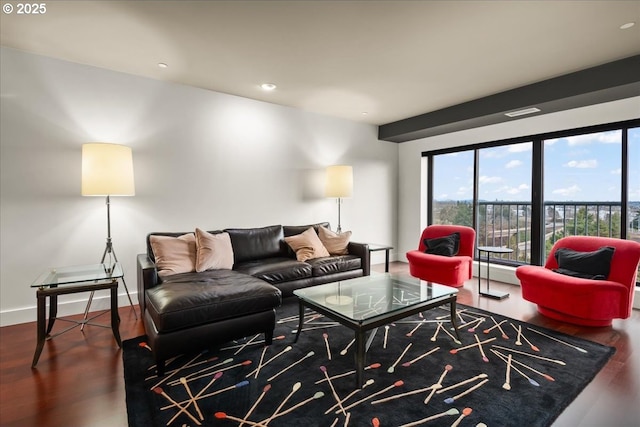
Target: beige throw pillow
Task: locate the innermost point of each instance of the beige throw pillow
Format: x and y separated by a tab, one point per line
213	251
174	254
307	245
335	243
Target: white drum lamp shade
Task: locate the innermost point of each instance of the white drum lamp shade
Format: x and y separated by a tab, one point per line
339	181
107	170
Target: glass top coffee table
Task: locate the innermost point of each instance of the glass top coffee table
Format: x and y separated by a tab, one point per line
366	303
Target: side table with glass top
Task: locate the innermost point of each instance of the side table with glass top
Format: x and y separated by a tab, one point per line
491	250
71	280
375	247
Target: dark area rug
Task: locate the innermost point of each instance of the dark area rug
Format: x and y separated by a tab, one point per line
410	363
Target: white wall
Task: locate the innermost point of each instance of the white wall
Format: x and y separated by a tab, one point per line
201	159
412	203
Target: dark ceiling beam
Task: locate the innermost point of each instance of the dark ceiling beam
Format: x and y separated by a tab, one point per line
609	82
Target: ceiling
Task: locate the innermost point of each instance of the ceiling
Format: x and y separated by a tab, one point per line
369	61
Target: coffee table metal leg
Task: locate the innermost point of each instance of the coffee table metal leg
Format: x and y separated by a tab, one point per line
300	319
453	317
386	261
360	354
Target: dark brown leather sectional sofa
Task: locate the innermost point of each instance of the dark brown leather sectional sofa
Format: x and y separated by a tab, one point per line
188	312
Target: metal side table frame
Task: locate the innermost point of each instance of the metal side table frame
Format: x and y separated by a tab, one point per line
490	250
71	280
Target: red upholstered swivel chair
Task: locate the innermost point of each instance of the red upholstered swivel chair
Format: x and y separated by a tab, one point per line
452	271
584	301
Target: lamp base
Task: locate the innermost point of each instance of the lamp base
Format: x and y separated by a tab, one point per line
339	300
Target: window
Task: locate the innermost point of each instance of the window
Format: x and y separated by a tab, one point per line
582	186
453	189
633	188
504	199
528	192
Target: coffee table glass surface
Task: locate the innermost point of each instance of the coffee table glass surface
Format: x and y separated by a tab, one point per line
369	297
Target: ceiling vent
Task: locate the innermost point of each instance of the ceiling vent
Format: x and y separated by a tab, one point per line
522	112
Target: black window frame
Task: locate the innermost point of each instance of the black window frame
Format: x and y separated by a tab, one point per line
537	178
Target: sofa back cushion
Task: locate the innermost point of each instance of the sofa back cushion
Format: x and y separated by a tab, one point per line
292	230
256	243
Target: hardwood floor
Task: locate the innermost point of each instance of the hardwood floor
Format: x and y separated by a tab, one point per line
79	379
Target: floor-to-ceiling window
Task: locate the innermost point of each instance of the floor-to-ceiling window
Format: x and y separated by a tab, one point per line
453	188
504	199
582	186
528	192
633	187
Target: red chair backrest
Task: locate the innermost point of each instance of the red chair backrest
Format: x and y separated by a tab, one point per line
467	237
624	264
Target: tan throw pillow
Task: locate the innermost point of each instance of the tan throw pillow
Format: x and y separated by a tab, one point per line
335	243
213	251
307	245
174	254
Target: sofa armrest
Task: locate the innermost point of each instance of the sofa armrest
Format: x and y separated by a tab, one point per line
147	278
361	250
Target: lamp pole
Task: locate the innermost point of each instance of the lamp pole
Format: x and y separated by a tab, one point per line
339	229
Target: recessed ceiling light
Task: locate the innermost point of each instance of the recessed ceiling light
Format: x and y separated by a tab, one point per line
162	65
364	113
268	86
522	112
627	25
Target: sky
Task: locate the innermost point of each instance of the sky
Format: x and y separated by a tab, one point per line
578	168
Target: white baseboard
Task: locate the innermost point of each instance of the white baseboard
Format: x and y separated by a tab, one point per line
66	308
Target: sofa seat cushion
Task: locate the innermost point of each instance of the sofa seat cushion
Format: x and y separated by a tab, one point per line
275	270
334	264
190	299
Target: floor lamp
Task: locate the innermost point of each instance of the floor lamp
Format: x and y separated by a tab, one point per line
107	170
339	184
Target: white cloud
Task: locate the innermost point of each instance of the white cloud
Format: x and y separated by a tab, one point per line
513	164
464	191
569	191
603	137
490	179
582	164
520	148
512	190
616	171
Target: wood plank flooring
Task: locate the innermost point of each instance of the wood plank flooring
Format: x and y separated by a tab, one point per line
79	379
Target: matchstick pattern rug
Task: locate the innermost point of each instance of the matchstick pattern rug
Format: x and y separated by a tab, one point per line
503	372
